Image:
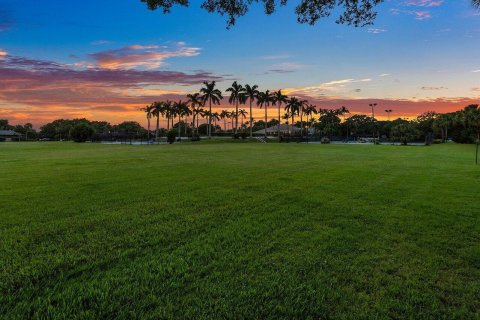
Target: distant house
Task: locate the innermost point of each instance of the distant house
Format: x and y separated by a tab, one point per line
284	129
9	135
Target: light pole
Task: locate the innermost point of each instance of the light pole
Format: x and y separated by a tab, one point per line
388	111
373	105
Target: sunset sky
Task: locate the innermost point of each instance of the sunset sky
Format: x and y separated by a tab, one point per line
103	60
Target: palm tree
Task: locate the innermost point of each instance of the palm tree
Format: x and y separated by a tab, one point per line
183	111
158	109
232	117
207	114
225	114
292	107
309	111
236	91
168	112
243	113
279	99
173	114
215	117
149	112
211	95
195	102
200	113
251	93
264	100
301	110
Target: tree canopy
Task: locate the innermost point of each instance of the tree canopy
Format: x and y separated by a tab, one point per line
351	12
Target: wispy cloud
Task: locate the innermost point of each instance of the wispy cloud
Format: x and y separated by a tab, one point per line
476	71
433	88
418	14
424	3
417	8
285	67
422	15
331	87
276	57
3	54
141	56
100	42
376	30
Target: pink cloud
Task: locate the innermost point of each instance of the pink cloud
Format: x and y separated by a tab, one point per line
422	15
38	91
424	3
140	56
419	14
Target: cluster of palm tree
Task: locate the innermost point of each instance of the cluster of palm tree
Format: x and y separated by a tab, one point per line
209	95
168	109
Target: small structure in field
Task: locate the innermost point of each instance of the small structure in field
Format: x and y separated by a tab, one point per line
9	135
284	129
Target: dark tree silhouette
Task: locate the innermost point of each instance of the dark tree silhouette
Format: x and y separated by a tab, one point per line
352	12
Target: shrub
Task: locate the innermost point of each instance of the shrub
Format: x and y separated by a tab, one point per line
195	138
244	135
236	136
325	140
171	136
81	132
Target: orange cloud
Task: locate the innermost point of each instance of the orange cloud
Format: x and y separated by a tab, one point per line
38	91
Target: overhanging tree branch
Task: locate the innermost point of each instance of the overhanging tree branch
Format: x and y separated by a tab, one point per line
351	12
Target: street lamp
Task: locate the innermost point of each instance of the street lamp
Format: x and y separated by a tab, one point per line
388	111
373	105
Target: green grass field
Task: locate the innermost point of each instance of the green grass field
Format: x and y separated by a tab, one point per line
239	230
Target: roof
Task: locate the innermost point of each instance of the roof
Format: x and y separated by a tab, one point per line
283	128
10	133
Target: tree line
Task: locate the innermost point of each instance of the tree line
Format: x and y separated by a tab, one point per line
183	118
462	126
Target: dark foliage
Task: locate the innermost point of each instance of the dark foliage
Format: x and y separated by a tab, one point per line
171	136
82	132
352	12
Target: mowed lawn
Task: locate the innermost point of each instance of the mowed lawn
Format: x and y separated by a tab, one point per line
239	230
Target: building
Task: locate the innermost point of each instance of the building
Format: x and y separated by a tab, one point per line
9	135
284	129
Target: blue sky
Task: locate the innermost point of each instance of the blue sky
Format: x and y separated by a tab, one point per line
422	52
